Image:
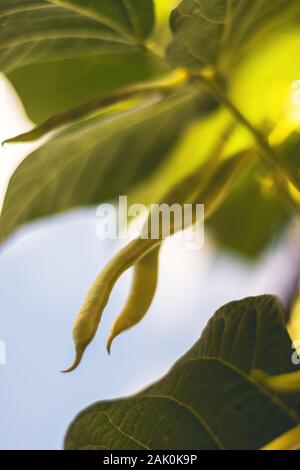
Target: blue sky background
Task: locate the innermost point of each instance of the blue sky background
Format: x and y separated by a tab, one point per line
45	271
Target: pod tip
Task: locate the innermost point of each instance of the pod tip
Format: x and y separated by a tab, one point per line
109	342
77	360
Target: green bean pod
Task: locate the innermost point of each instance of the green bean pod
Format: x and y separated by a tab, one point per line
211	192
141	295
208	185
89	316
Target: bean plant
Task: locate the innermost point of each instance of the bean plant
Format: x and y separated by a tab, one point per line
195	101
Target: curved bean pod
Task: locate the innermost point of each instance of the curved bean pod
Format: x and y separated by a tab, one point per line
141	295
210	190
89	316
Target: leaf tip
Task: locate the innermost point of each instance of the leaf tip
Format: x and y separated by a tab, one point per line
13	140
25	137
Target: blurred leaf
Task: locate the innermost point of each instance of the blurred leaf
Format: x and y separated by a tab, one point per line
289	151
262	85
50	88
253	202
259	217
258	210
59	54
218	32
208	400
190	151
97	160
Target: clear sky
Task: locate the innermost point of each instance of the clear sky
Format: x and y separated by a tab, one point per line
45	270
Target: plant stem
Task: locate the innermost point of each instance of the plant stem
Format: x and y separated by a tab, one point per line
162	88
266	150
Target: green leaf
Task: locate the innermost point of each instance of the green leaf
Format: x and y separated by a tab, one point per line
54	87
97	160
59	54
259	216
258	210
208	400
36	31
219	32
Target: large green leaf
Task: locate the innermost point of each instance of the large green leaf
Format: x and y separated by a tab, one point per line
208	400
97	160
217	32
55	52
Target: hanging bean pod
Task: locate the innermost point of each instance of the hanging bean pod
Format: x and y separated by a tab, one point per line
89	316
141	295
209	185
